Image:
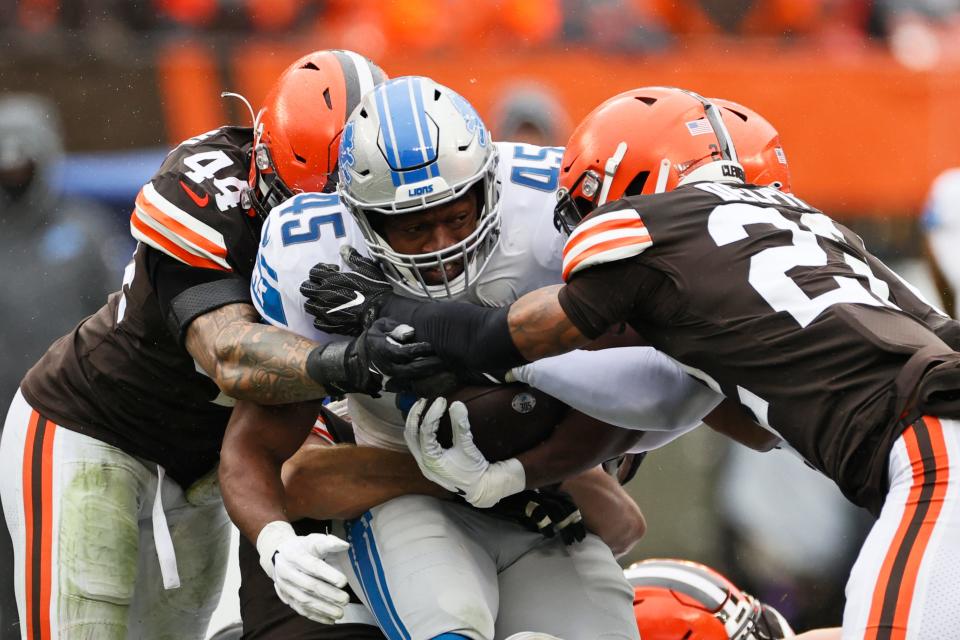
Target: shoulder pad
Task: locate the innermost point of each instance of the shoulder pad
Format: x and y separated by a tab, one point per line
613	232
190	209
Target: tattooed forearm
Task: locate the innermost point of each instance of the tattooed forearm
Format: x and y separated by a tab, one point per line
540	328
249	360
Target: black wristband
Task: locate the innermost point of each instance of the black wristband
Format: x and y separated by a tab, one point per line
326	364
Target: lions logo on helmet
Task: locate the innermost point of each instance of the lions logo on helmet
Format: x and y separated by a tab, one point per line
470	117
346	160
414	144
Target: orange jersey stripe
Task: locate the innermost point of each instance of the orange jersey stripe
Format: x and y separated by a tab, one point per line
28	521
910	509
893	593
600	248
46	541
609	225
178	252
320	432
178	228
909	578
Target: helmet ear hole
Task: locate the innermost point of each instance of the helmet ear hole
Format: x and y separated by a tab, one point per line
635	187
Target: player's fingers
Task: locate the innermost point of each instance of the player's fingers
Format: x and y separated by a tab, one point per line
536	514
402	334
299	584
411	429
359	263
417	368
322	270
435	385
302	604
428	428
324	543
462	436
317	571
571	519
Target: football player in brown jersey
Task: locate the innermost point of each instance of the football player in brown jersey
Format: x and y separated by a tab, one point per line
766	299
109	444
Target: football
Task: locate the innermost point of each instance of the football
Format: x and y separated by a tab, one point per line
505	419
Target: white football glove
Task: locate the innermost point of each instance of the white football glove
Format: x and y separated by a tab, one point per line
462	468
302	579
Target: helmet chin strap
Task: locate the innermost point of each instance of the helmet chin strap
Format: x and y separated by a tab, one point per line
609	170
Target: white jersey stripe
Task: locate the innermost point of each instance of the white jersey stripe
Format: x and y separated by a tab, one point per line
585	227
206	231
174	238
610	255
599	238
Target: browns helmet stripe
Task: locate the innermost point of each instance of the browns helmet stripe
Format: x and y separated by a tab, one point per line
727	150
687	579
360	76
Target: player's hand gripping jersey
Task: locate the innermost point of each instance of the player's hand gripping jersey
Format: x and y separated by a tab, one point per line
768	301
311	228
122	376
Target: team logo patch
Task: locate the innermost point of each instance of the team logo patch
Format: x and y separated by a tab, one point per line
523	402
699	127
471	119
347	159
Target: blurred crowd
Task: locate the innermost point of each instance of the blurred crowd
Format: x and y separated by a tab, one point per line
924	26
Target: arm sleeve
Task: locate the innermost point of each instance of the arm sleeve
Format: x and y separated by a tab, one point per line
629	387
186	292
601	296
466	335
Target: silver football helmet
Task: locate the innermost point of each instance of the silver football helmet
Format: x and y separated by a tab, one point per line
412	144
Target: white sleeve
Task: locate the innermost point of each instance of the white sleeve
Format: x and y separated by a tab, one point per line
299	233
630	387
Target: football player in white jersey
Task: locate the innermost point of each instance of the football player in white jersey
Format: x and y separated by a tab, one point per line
527	253
428	567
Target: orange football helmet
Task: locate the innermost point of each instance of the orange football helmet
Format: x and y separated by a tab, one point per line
682	599
297	132
643	141
758	145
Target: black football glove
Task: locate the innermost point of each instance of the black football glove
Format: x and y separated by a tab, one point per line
367	364
345	302
548	512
